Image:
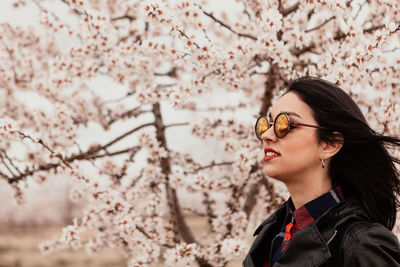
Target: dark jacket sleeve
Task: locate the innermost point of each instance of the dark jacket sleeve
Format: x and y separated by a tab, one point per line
371	245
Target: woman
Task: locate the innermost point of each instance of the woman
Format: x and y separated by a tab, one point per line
341	179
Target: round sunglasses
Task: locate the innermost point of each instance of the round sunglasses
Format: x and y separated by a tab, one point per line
282	125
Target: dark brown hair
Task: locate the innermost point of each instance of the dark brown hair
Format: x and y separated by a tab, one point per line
363	166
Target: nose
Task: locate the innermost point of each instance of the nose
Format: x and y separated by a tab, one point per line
269	135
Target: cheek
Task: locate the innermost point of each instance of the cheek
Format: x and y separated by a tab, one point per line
302	151
299	154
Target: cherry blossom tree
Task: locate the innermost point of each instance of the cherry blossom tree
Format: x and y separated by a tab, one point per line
160	57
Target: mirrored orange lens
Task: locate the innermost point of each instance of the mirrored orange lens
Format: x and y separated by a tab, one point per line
261	126
281	125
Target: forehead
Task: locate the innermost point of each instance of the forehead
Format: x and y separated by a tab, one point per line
290	102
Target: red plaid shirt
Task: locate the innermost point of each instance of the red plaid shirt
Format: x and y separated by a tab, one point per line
297	219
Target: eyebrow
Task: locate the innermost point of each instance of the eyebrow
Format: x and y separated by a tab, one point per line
287	112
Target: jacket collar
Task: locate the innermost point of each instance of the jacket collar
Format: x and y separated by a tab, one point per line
307	213
277	216
312	210
315	237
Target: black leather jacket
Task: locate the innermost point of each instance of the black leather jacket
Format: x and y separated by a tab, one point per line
343	236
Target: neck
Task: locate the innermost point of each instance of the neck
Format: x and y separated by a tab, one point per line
304	190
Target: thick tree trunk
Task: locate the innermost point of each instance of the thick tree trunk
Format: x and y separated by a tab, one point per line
266	103
180	227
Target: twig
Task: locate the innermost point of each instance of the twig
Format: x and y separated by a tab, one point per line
54	15
137	178
287	11
11	54
369	30
127	114
176	124
126	134
297	52
216	71
392	50
320	26
132	149
11	162
40	141
5	177
120	98
143	232
245	11
171	73
128	17
359	10
206	35
210	166
223	24
187	37
208	202
76	11
6	165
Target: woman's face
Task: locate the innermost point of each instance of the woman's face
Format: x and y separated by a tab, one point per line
299	150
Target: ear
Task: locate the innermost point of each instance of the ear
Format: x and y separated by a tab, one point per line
329	149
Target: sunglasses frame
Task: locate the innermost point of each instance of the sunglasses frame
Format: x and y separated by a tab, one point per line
291	125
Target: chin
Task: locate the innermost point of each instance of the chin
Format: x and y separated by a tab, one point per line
275	174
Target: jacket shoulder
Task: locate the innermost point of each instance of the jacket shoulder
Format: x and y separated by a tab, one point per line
370	244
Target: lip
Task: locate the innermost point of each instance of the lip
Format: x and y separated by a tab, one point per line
270	157
270	150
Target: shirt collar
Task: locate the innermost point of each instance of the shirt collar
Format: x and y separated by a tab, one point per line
309	212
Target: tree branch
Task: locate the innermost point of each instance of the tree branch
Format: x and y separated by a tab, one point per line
90	154
340	35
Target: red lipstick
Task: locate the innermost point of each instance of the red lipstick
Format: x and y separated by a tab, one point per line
267	158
